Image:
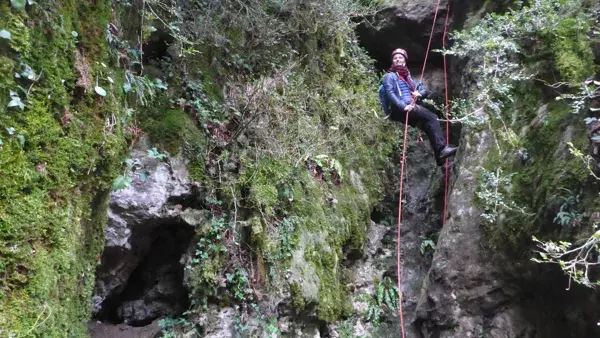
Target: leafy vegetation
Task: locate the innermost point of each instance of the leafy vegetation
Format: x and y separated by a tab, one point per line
532	70
273	106
263	99
60	148
386	297
279	104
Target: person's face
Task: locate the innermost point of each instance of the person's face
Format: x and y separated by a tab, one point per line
398	60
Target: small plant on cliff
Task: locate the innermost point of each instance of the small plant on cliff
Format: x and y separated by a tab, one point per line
386	296
167	324
153	153
576	259
568	214
497	44
346	328
427	245
492	193
238	282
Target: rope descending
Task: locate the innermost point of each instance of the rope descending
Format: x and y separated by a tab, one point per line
399	266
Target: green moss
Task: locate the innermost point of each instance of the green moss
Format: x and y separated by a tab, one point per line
573	52
14	23
6	67
546	171
176	132
543	170
342	224
171	128
259	237
57	273
297	298
267	182
332	296
55	166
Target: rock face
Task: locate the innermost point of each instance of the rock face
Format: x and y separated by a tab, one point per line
140	276
471	291
406	25
464	287
457	288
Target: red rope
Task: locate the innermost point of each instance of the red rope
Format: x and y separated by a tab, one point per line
399	225
399	267
446	113
437	7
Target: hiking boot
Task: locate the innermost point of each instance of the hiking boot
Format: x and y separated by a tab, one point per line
447	151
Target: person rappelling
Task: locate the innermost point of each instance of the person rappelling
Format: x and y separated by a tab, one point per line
400	94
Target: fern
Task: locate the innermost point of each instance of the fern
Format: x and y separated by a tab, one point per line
386	295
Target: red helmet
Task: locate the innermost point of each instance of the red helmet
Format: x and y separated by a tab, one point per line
400	51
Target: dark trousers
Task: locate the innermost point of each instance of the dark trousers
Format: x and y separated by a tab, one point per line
425	120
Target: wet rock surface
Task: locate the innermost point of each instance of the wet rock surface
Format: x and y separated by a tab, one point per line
140	277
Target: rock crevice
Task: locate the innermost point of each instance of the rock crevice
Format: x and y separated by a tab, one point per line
141	274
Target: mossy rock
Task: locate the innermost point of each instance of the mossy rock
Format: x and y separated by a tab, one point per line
57	159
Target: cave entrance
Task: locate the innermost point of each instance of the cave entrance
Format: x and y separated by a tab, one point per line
157	46
155	288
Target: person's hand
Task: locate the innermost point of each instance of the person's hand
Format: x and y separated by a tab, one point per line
409	107
416	94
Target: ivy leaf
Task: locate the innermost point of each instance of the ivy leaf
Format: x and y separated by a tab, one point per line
100	91
28	73
144	175
121	182
5	34
160	84
15	101
21	139
127	88
18	4
129	163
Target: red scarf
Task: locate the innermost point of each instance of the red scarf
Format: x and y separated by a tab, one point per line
404	74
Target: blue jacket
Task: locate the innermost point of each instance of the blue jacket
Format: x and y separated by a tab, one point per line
398	92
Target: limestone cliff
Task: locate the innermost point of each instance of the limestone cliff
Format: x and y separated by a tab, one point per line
220	169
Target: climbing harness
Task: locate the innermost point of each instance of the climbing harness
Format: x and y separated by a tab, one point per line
399	266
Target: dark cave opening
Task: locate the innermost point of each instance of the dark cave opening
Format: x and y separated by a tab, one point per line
156	48
377	215
384	31
155	288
